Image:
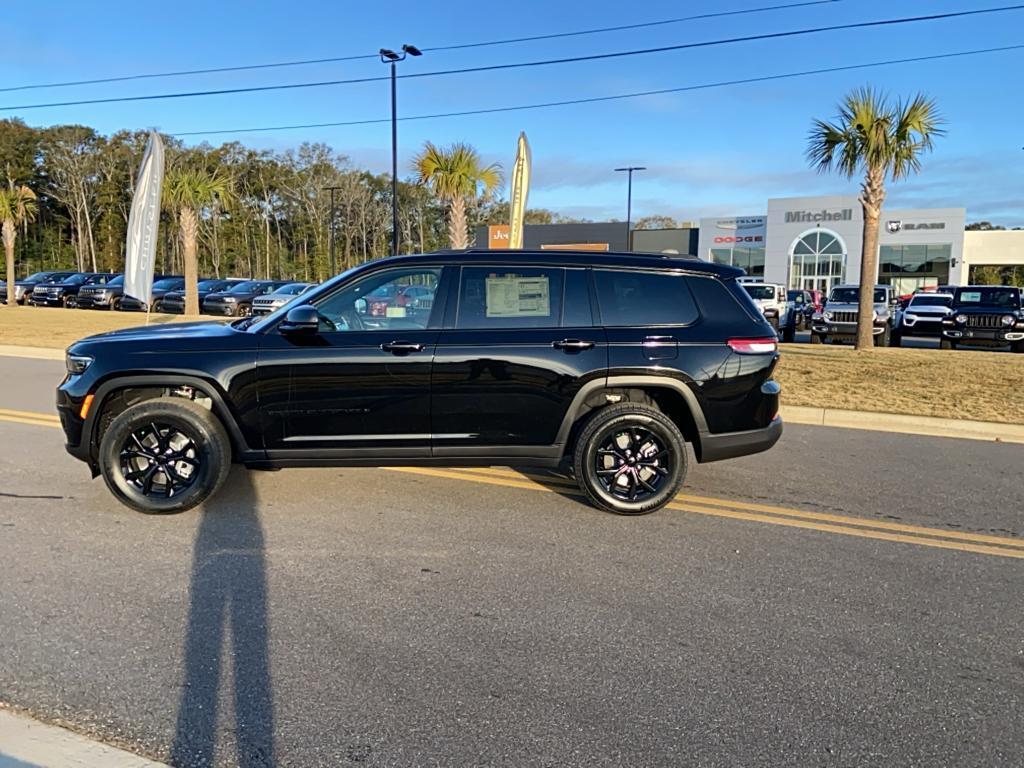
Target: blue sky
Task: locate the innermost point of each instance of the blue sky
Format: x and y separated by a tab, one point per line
711	152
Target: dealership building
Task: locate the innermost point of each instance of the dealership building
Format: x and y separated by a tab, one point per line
810	242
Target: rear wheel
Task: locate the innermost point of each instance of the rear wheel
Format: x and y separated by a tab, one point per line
630	459
164	456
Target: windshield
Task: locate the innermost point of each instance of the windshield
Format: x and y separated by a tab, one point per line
119	280
852	296
931	301
247	287
292	290
1003	297
210	285
75	280
38	277
761	292
169	283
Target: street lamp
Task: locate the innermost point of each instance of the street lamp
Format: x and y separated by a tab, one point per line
629	200
330	232
387	56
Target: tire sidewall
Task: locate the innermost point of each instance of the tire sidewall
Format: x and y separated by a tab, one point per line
668	434
209	440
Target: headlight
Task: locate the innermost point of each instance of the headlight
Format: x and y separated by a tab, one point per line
230	298
962	319
827	315
910	317
77	364
1008	320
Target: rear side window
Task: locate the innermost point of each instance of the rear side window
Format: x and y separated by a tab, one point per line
510	297
644	298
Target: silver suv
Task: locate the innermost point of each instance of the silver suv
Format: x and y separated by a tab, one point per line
838	318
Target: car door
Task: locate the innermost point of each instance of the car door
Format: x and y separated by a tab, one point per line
518	344
360	387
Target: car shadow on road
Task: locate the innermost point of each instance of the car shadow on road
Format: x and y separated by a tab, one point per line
227	626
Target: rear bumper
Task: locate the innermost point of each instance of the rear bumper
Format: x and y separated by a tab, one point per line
729	445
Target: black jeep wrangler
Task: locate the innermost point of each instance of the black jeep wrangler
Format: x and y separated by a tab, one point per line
609	363
985	316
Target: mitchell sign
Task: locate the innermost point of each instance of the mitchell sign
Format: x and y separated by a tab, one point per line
801	217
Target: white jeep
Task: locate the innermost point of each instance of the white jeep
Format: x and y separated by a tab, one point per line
771	299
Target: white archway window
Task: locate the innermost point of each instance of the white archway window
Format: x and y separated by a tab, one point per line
817	260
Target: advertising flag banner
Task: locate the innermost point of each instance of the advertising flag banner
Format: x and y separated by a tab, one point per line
520	191
144	222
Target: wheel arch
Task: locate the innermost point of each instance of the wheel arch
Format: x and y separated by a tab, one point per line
673	397
151	387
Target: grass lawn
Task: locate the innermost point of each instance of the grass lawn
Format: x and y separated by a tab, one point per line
965	384
52	327
956	384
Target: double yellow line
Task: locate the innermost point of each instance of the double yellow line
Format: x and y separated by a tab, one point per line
845	525
29	417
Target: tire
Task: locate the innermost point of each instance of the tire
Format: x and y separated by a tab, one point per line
244	310
115	305
896	340
789	334
817	338
657	432
175	420
883	338
1017	347
947	344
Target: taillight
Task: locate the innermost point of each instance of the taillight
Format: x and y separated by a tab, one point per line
754	346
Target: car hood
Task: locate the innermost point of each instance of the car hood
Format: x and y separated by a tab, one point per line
209	329
976	310
835	307
926	310
218	295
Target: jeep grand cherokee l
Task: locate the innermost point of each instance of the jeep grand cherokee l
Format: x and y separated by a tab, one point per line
608	362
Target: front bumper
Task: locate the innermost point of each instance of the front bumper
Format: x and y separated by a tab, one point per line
842	329
88	301
988	336
922	327
219	308
729	445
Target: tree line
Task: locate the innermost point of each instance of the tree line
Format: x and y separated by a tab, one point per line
66	191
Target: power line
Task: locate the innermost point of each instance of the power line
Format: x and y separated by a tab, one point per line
616	97
453	47
519	65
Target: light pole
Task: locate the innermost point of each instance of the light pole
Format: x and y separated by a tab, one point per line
330	232
629	200
388	56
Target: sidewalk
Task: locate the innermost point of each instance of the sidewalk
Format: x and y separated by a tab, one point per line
27	743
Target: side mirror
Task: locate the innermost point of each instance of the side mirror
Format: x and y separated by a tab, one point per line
301	321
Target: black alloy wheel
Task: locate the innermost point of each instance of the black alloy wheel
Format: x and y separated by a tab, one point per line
244	310
165	455
160	460
630	459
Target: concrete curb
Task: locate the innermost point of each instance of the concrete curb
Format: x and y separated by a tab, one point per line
33	353
912	425
27	742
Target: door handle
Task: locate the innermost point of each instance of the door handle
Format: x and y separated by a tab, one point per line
401	347
572	344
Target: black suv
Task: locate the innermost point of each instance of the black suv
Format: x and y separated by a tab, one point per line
173	302
64	293
985	316
162	285
609	362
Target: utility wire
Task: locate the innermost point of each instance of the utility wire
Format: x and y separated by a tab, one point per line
616	97
519	65
454	47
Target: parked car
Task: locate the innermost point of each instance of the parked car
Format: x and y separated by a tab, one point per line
610	362
771	299
64	293
838	319
264	305
23	288
985	316
174	301
804	304
923	316
102	295
162	285
237	300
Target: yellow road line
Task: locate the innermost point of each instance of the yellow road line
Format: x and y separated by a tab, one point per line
977	538
850	527
30	415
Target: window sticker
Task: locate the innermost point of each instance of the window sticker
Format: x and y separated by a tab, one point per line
515	296
970	297
395	312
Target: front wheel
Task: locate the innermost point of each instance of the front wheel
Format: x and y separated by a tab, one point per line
164	456
244	310
817	338
947	344
1017	347
882	339
630	459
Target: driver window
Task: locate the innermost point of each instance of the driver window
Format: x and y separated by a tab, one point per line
399	299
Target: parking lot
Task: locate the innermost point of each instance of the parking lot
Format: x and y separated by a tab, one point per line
779	612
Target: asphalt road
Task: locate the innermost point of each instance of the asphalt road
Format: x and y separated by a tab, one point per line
849	598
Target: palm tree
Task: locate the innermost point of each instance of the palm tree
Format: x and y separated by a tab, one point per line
455	174
186	194
877	139
17	206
